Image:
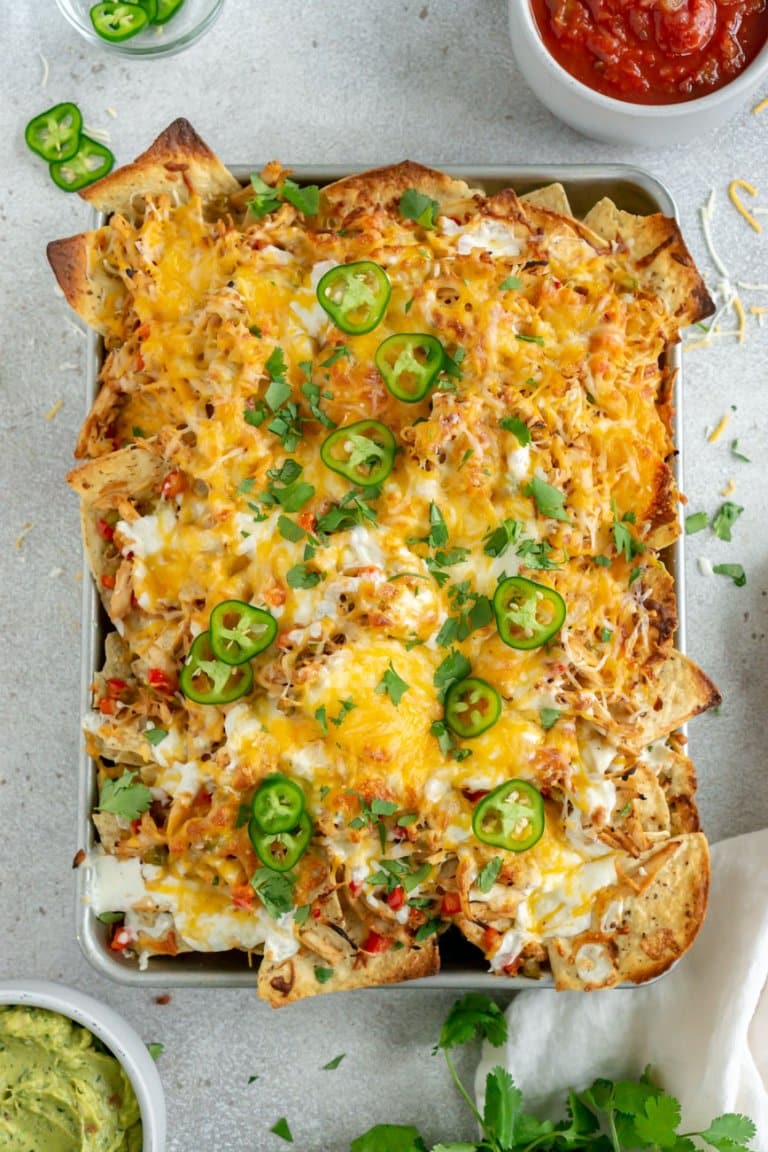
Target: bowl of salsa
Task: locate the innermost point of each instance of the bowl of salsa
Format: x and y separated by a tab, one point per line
651	72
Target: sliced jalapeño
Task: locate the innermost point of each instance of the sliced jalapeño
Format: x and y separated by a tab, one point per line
511	817
527	614
355	296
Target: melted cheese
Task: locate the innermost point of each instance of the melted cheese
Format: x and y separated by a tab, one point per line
371	610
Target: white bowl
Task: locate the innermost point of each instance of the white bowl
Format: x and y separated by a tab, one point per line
125	1044
617	121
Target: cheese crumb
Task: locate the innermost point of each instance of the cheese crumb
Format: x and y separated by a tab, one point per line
54	410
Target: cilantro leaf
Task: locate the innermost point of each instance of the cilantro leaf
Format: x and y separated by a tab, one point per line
123	797
623	539
658	1122
452	364
737	454
394	685
416	206
724	520
343	351
497	540
728	1130
517	427
282	1129
275	890
252	1079
323	975
389	1138
299	576
289	529
502	1104
488	874
696	522
264	200
601	561
332	1065
735	571
548	717
155	1049
454	667
474	1015
438	529
110	917
155	735
530	339
510	283
306	200
548	499
243	815
424	931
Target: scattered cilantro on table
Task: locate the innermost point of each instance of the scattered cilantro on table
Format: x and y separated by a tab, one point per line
609	1116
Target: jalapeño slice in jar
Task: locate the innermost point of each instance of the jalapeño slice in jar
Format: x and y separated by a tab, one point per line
55	134
409	363
239	631
206	680
527	614
281	850
472	706
91	161
277	804
355	296
115	21
363	452
511	817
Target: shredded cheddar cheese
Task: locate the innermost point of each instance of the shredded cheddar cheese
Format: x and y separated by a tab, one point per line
733	193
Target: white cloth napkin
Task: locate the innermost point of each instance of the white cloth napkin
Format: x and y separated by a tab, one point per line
703	1027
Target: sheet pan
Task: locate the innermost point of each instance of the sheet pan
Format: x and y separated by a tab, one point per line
463	967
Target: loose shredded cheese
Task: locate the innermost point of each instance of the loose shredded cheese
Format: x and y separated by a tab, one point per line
44	77
739	310
54	410
26	528
734	195
714	436
758	108
729	489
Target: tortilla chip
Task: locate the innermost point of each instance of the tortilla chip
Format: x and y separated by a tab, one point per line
381	188
678	692
660	257
130	472
295	979
642	925
178	163
553	197
88	287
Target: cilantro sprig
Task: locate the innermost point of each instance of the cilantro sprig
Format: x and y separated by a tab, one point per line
126	796
267	198
609	1116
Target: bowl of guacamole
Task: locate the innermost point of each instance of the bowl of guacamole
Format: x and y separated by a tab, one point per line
76	1077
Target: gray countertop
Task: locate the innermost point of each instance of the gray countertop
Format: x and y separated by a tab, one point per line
314	82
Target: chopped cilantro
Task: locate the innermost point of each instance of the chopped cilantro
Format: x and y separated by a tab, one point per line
155	735
322	718
299	576
323	975
123	797
549	500
530	339
454	667
341	352
414	205
623	539
282	1129
606	634
243	815
735	571
724	520
275	890
434	924
393	685
306	200
332	1065
517	427
488	874
155	1049
602	561
696	522
511	282
736	453
548	717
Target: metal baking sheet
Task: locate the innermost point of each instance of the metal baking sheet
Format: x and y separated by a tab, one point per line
463	967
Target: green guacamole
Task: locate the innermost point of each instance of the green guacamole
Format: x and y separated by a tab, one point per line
59	1092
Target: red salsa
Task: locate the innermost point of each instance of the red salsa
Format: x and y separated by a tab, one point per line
653	51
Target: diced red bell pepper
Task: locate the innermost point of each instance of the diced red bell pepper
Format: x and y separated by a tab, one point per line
375	944
104	529
396	898
160	680
121	938
174	484
451	904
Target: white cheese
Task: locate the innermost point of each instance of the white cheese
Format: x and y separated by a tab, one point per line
519	462
363	548
593	964
148	534
114	885
492	235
